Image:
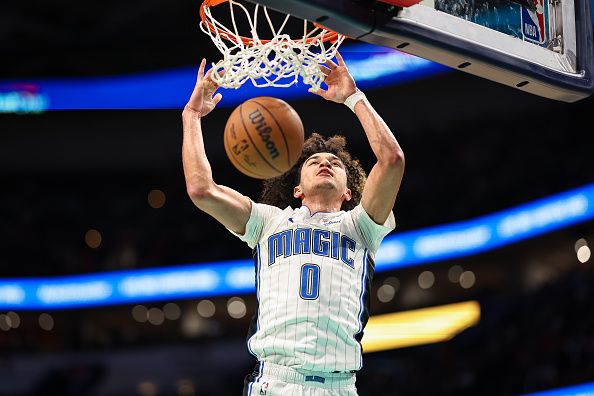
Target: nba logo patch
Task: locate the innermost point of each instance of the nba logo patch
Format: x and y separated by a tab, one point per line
533	23
264	388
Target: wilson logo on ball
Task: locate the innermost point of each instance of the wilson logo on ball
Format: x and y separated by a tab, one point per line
264	130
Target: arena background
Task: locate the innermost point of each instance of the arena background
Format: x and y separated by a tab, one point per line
75	198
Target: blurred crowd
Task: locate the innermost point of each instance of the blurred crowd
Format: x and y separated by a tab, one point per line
81	225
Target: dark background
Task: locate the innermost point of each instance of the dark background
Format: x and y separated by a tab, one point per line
472	147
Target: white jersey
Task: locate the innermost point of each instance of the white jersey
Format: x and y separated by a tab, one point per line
313	279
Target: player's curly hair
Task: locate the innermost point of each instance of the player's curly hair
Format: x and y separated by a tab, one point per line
278	191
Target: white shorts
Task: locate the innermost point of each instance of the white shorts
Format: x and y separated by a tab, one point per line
270	379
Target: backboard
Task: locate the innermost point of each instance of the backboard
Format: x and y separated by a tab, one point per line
544	47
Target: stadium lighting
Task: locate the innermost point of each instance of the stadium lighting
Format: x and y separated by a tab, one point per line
156	199
583	254
206	308
426	279
467	279
586	389
420	326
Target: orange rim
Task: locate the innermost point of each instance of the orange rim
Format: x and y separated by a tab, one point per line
330	35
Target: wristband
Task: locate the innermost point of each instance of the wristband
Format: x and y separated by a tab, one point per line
352	100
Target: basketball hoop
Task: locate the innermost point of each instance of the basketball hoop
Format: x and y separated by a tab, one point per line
274	62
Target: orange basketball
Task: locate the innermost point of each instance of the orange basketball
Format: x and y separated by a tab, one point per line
264	137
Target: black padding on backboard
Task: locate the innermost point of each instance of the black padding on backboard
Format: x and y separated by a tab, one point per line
362	19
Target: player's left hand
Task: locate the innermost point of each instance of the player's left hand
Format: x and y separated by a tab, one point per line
338	79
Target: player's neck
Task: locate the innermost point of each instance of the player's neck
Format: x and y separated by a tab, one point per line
319	204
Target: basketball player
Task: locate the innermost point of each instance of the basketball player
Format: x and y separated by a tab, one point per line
314	261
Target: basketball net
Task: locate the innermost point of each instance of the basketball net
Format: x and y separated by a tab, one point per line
276	62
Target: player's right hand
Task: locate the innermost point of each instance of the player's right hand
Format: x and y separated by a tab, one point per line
202	100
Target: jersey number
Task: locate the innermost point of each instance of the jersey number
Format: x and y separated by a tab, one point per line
310	281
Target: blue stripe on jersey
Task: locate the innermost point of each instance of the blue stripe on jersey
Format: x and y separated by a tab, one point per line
255	325
364	299
363	276
260	372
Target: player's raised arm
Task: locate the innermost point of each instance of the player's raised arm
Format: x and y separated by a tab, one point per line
229	207
383	182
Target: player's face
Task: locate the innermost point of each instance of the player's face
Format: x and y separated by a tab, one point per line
324	171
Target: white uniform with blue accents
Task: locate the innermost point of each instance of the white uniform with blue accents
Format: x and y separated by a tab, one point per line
313	277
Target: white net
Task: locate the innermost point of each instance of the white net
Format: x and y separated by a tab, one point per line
277	62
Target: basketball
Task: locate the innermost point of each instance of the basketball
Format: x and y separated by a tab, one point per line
263	137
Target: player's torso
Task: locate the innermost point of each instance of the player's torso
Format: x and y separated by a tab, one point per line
312	285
